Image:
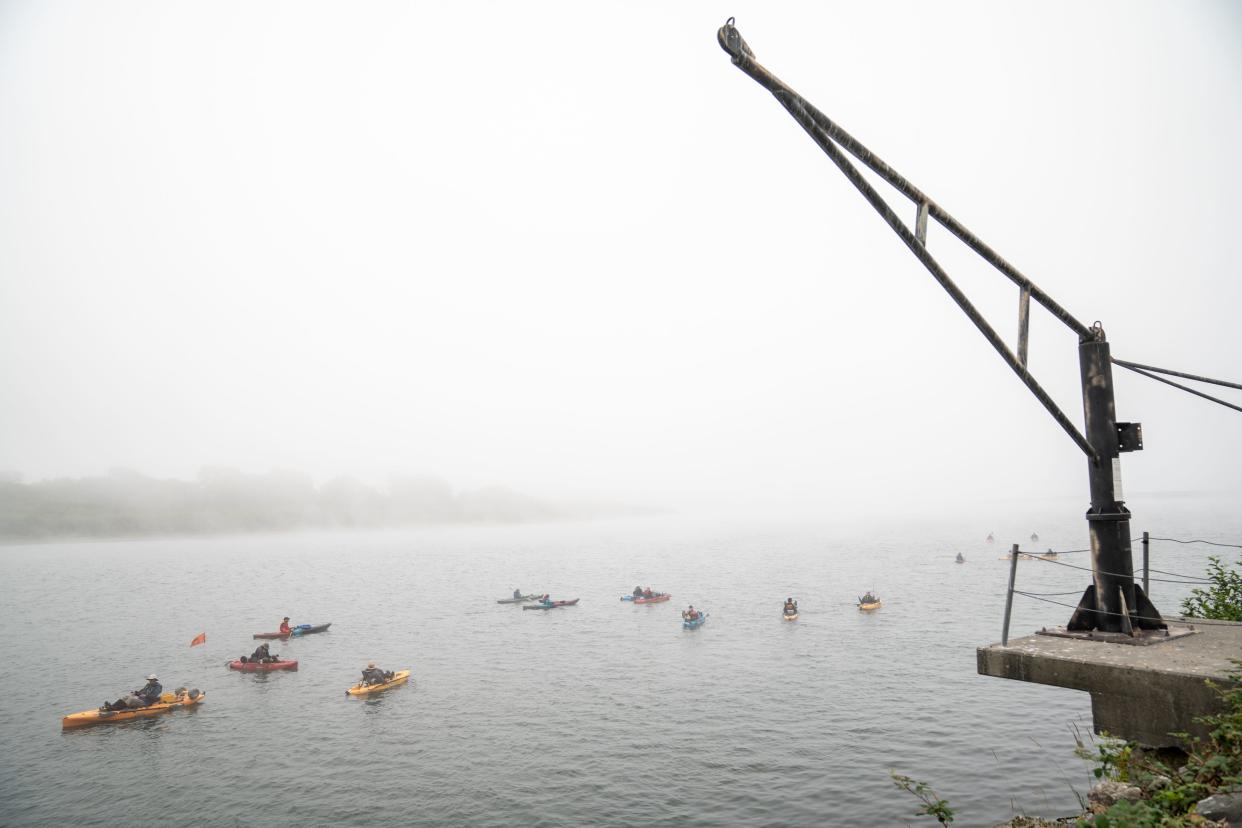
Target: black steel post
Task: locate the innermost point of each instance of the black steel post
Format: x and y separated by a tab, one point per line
1108	519
1146	561
1013	574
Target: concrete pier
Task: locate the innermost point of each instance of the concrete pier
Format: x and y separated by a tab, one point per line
1139	693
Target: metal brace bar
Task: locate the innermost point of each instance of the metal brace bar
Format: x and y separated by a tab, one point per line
731	41
1024	323
795	108
920	224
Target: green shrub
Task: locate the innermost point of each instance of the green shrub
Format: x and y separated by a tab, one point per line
1170	794
1222	599
932	805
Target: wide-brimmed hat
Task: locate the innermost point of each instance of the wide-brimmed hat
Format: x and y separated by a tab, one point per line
152	677
370	665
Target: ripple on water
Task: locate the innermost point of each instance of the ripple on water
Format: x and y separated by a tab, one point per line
605	713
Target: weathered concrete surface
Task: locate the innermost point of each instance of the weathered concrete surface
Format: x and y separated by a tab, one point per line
1142	694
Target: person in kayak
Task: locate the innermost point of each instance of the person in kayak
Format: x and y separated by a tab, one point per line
144	696
868	598
517	594
261	655
791	606
284	626
638	592
691	614
374	675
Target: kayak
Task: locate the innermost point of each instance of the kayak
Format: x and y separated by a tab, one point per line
694	624
301	629
553	605
260	667
789	617
516	600
399	677
874	605
654	599
97	716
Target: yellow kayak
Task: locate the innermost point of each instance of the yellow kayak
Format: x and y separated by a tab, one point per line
793	617
399	677
167	702
874	605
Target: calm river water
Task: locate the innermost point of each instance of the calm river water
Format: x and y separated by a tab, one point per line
601	714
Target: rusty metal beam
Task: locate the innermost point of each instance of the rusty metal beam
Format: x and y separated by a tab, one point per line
731	41
801	112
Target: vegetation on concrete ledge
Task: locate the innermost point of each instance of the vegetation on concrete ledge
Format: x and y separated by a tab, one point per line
1222	598
1168	795
1148	790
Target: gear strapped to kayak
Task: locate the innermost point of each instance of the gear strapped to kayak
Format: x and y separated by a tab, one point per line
294	632
393	680
167	702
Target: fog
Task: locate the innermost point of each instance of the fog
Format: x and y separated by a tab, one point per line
569	249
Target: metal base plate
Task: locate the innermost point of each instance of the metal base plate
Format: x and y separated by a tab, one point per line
1141	638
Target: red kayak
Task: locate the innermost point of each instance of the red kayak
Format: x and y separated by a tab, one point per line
260	667
654	599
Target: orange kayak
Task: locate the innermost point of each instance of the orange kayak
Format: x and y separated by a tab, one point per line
97	716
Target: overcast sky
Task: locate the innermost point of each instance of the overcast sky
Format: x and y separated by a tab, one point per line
569	248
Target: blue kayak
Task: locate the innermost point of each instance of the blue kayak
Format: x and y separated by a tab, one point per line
689	624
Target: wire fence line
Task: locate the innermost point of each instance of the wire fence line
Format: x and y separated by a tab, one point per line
1175	578
1191	579
1197	540
1195	622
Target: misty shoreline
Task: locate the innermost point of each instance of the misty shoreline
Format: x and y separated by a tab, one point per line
127	505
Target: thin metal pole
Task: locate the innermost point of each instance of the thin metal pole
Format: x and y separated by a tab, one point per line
1146	588
1013	573
1024	323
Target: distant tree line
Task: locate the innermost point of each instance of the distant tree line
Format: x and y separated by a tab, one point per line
128	504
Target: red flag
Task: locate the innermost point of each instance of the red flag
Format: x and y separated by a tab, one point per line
201	638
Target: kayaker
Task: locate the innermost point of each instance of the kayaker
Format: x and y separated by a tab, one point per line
691	614
374	675
146	695
638	592
284	626
791	606
261	655
647	593
517	594
867	599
